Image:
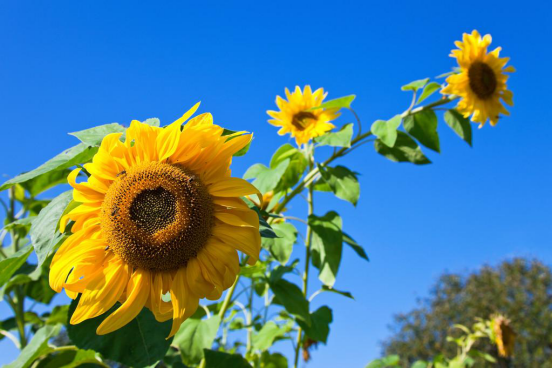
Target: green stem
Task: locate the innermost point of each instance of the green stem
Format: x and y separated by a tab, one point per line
224	307
307	260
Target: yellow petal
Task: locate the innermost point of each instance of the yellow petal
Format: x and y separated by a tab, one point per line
138	291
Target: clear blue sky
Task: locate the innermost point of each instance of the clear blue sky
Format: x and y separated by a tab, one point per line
69	65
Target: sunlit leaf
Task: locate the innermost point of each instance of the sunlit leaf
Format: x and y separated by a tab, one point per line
194	336
266	179
320	324
386	131
296	166
460	125
337	103
326	245
405	150
264	339
281	247
94	136
10	265
44	230
342	181
341	138
428	90
78	154
423	126
415	85
37	346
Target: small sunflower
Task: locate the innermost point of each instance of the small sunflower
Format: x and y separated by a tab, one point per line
504	336
159	214
481	84
295	118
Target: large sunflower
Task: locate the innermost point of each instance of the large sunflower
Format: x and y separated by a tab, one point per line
158	214
481	84
295	118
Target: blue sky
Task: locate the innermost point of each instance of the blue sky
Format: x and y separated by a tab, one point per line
67	66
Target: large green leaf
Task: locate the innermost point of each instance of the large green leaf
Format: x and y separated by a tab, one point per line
342	181
44	230
290	296
45	181
405	150
139	343
274	360
355	246
37	346
347	294
460	125
423	126
326	245
219	359
75	155
266	179
194	336
281	247
386	131
10	265
94	136
341	138
337	103
296	167
428	90
320	324
71	358
264	339
415	85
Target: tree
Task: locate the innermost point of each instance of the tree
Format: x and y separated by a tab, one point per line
519	289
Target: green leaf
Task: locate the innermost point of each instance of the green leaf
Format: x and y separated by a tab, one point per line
76	155
44	230
152	122
296	167
460	125
428	90
278	272
139	343
341	138
342	181
355	246
37	346
420	364
58	315
94	136
386	131
320	324
347	294
266	179
415	85
290	296
264	339
11	264
265	229
71	358
423	126
389	361
281	247
218	359
326	245
337	103
274	360
46	181
405	150
194	336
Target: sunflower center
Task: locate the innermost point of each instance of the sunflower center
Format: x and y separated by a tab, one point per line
303	119
157	216
482	80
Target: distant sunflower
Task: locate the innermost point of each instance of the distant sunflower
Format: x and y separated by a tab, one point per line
504	336
159	214
481	84
295	118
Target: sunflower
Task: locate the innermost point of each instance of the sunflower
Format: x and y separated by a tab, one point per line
296	118
504	336
159	215
481	84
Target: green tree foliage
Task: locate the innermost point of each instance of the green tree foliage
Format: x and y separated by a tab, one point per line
519	289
